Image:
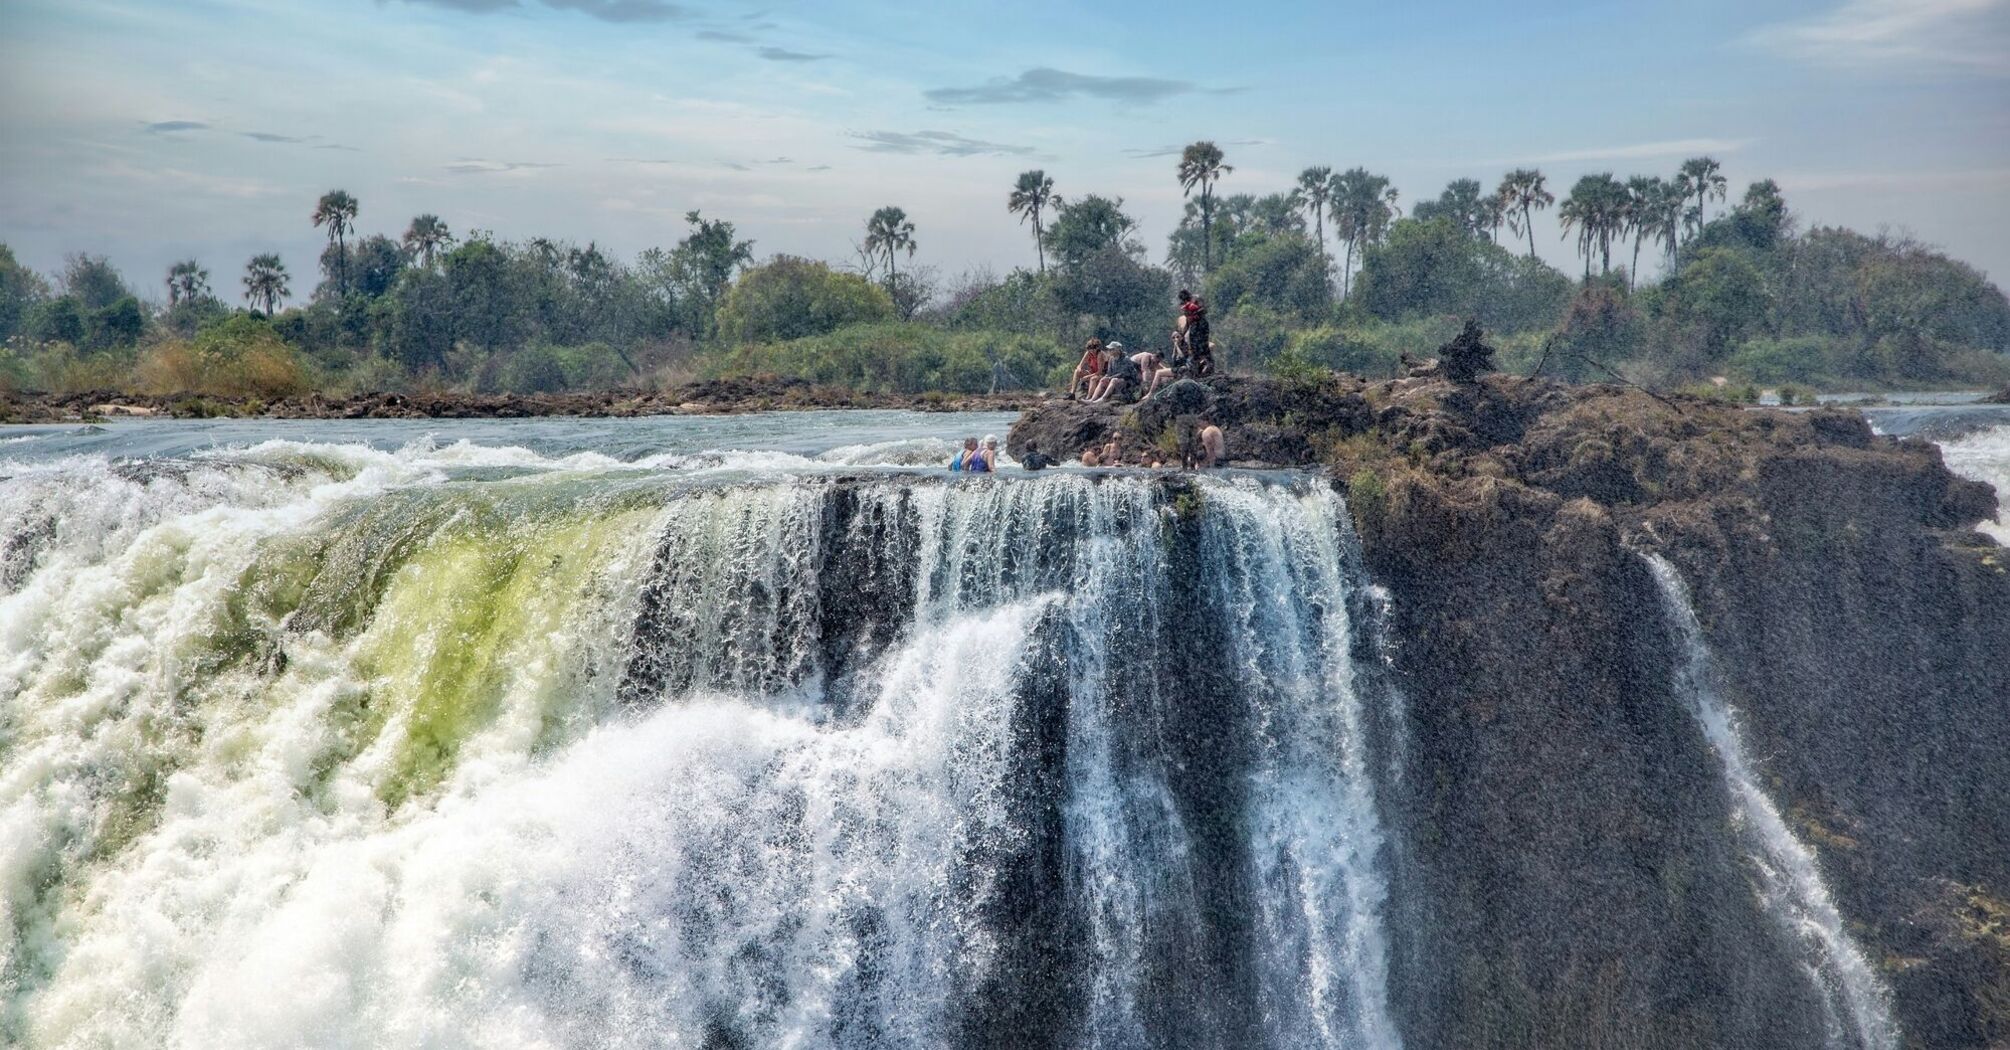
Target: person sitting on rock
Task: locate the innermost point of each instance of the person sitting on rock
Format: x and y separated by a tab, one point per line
1090	458
989	456
1113	452
1153	370
1121	375
1089	371
974	461
1034	459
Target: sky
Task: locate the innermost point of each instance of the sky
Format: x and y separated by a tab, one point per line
152	132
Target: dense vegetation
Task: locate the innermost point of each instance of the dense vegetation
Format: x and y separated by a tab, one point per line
1329	273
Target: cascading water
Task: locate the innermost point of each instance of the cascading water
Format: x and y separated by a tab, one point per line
1984	455
1788	880
314	745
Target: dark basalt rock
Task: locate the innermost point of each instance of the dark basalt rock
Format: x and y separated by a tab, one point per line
1265	422
1565	873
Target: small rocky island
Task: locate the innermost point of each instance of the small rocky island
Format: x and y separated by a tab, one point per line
1860	623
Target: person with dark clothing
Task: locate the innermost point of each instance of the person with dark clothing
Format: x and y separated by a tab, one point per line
1034	459
1191	336
1121	375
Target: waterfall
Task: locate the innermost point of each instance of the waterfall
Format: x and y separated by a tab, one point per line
312	745
1788	879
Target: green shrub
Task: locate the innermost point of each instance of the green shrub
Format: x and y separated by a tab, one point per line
790	298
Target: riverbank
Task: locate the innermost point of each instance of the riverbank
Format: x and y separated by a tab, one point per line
705	397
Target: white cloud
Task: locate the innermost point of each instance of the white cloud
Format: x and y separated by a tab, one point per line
1966	35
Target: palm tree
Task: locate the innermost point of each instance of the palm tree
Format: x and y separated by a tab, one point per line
1315	194
1033	193
1667	221
1643	204
1522	192
1701	178
889	231
426	236
337	210
265	282
1363	207
1596	209
187	281
1200	165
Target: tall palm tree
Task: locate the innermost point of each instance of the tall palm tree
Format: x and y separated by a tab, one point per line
265	282
1315	194
889	231
1495	212
187	281
1522	193
1669	206
1642	213
426	236
1363	207
1596	210
1701	178
337	210
1200	165
1032	194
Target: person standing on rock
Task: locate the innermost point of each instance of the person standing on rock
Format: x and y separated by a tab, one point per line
1213	446
1191	337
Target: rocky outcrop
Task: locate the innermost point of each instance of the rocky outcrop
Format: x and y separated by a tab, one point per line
1265	422
1566	873
2001	397
1566	828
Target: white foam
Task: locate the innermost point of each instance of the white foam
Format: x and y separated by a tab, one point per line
1985	456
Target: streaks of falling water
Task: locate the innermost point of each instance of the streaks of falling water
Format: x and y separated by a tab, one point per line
1789	881
806	762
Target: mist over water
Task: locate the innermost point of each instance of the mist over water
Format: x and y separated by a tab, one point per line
313	743
438	742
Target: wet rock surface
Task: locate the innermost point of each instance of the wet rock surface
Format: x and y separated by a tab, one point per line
1566	876
1564	819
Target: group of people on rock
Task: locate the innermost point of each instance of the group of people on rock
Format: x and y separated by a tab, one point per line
1203	452
1109	372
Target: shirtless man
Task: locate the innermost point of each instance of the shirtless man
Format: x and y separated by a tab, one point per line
1212	446
1153	372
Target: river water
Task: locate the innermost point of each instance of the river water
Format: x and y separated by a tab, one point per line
689	731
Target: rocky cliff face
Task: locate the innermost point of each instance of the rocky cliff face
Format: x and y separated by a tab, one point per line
1566	877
